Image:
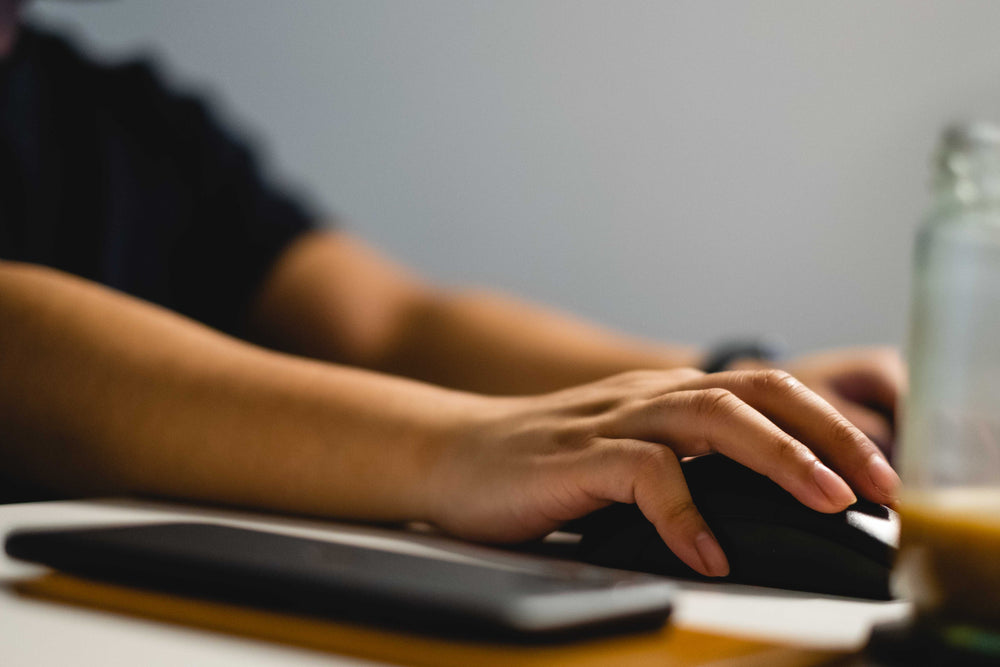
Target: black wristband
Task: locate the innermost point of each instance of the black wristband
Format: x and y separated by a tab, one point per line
720	356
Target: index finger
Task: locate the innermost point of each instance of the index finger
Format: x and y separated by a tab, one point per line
799	411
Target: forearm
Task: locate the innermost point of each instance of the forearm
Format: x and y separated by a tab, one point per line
332	297
103	393
492	343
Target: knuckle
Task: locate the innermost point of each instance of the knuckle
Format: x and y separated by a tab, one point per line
716	403
791	459
843	431
788	449
781	378
680	509
775	380
649	459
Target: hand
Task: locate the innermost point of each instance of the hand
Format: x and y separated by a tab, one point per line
864	384
521	467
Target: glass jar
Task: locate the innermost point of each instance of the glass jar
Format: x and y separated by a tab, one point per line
949	560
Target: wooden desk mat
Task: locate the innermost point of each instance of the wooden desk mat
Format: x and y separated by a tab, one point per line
667	647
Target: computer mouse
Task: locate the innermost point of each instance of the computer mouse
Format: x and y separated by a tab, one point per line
770	538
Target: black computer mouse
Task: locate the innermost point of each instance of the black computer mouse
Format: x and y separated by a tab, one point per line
770	538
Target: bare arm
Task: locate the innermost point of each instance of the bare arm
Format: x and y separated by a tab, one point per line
333	297
104	393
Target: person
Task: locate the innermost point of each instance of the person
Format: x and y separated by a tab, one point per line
174	325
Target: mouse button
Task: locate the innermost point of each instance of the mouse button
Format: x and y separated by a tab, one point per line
715	471
744	491
783	557
725	505
876	537
872	509
870	536
718	471
791	511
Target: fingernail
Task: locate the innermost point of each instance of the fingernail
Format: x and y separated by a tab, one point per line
832	486
711	555
883	477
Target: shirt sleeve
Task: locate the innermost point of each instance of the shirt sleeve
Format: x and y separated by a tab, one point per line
236	220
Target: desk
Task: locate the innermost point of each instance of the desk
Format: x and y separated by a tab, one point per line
40	632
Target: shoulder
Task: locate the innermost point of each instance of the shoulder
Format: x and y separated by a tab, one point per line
66	63
134	94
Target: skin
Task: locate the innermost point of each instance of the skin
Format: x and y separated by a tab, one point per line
104	393
575	428
371	394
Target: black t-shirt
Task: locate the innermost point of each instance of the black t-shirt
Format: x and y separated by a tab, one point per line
107	174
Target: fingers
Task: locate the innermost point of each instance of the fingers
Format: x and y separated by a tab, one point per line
872	423
868	399
875	377
649	475
806	416
695	422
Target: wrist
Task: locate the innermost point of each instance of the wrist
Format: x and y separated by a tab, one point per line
460	458
453	422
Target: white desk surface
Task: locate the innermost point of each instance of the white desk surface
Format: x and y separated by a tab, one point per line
36	632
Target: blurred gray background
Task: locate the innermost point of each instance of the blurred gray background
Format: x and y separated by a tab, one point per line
682	170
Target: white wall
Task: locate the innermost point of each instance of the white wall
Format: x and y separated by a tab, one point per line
688	170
